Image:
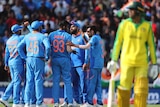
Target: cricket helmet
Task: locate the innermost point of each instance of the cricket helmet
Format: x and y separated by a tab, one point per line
136	5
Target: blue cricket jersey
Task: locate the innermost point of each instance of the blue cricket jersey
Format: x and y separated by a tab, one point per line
37	45
11	54
81	56
58	40
96	52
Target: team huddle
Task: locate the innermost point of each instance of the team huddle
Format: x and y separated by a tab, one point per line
78	58
71	54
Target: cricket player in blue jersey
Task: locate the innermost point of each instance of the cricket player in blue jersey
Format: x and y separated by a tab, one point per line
33	98
96	64
38	51
78	62
15	64
61	63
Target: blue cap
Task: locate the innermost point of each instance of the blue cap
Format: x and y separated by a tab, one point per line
36	24
16	28
75	24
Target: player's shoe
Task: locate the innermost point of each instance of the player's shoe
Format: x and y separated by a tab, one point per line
17	105
87	105
56	105
22	105
26	105
42	105
32	105
70	105
75	104
64	104
4	102
98	105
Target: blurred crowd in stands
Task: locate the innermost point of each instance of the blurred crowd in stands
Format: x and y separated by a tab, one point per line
105	14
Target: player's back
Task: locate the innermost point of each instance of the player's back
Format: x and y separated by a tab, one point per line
34	44
58	40
11	49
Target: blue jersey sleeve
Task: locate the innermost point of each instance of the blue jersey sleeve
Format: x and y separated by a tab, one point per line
93	40
29	28
49	37
47	47
6	56
86	60
21	37
69	39
86	55
20	48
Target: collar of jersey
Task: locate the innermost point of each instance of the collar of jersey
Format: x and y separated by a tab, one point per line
142	19
61	30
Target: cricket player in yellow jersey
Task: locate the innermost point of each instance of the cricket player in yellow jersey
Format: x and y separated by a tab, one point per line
134	40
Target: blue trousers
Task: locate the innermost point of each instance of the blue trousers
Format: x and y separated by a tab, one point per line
9	90
78	83
78	86
94	85
86	82
17	71
34	80
61	67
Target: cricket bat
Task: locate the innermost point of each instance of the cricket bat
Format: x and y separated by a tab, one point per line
111	91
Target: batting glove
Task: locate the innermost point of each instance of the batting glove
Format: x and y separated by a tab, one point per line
153	71
112	66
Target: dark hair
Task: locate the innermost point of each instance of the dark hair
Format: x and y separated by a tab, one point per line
63	23
92	27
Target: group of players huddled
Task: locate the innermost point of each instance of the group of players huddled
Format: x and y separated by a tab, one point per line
71	52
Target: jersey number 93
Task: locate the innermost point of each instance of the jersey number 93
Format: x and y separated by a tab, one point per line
58	45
